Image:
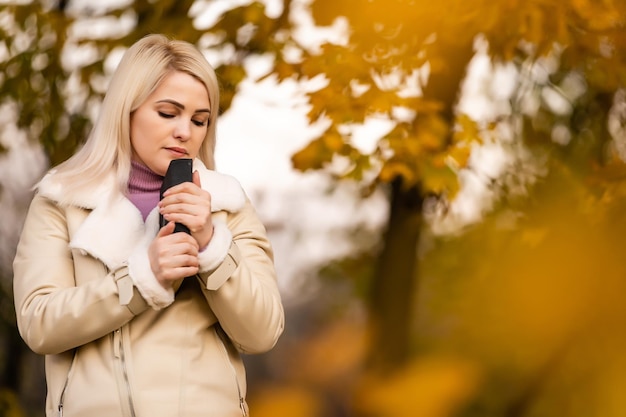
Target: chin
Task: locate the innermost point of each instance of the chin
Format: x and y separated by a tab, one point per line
160	168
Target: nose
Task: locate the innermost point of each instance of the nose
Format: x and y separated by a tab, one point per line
182	131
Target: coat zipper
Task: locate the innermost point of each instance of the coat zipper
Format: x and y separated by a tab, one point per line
242	401
62	398
119	354
67	381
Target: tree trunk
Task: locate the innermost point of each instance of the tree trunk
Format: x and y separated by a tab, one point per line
393	289
395	283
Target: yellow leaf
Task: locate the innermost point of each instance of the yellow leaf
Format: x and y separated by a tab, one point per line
10	404
392	170
313	156
284	70
278	401
331	355
432	132
460	155
439	178
429	140
600	15
466	130
333	141
428	387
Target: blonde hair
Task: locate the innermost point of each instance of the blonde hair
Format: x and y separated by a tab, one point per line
142	68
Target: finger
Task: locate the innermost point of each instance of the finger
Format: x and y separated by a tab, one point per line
168	229
188	244
178	243
196	179
174	273
182	207
194	221
174	254
180	260
186	204
185	187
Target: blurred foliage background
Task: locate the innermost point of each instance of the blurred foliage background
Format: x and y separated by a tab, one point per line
517	314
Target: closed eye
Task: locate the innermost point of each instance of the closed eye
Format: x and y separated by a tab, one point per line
166	115
199	123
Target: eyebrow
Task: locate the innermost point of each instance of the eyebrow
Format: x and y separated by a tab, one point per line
181	106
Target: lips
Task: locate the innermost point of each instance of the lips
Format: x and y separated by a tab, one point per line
177	151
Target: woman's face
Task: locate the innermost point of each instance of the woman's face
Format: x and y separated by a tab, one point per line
171	123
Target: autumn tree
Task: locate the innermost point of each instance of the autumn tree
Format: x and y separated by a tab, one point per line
406	61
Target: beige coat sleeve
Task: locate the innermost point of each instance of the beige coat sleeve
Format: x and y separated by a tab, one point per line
248	303
56	309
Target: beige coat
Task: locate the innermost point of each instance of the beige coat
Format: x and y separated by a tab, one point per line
116	344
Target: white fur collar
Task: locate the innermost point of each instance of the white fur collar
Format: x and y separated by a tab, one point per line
115	225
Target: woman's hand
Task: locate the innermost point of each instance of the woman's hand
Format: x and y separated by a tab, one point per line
189	204
173	256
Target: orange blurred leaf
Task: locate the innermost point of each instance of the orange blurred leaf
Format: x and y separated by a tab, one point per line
427	387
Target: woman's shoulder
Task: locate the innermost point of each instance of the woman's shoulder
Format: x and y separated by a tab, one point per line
54	186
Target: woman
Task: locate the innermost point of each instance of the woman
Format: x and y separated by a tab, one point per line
136	320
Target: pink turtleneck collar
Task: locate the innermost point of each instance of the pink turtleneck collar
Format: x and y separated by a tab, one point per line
144	188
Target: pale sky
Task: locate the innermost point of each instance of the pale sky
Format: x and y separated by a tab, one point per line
306	220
